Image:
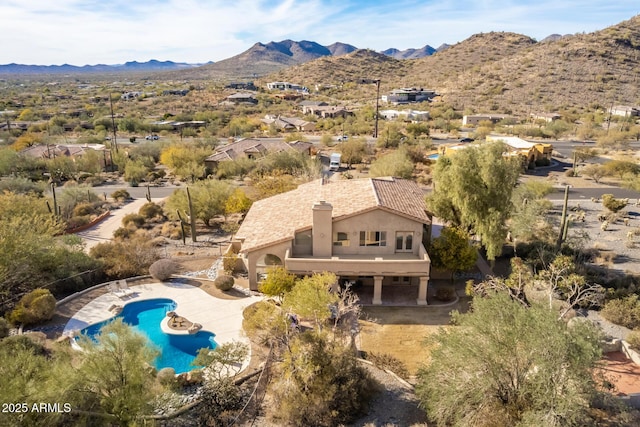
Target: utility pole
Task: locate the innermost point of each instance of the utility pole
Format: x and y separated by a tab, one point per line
375	132
113	124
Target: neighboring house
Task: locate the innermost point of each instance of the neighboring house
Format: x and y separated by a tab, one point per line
241	86
530	151
287	86
326	111
241	98
254	149
308	103
477	118
408	95
51	151
21	126
372	231
289	123
405	114
180	125
128	96
624	111
178	92
547	117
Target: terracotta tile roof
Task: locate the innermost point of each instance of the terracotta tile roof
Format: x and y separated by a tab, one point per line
276	219
238	148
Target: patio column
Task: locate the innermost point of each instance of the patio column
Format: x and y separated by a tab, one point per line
377	290
422	291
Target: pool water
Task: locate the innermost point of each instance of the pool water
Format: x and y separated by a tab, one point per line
177	351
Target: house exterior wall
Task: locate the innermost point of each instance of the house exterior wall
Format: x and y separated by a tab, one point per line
250	260
377	220
370	260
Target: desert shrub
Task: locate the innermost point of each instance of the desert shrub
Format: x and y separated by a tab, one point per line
167	377
4	328
171	230
230	262
611	203
120	195
133	218
126	258
224	283
16	343
35	307
624	311
634	339
163	269
123	233
387	361
77	221
569	172
150	210
83	209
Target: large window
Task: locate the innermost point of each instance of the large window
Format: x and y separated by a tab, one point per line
373	238
302	238
404	241
340	239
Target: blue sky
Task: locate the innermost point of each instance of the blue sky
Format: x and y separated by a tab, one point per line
83	32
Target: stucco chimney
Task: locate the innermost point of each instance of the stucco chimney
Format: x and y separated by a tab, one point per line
322	229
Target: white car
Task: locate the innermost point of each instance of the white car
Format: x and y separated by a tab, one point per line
152	137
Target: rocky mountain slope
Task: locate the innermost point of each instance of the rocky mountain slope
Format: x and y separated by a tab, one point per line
504	72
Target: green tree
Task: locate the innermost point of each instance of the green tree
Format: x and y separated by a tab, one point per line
452	251
209	198
311	298
473	190
278	282
112	377
507	364
529	220
31	375
397	163
621	168
353	151
390	136
238	202
595	172
135	172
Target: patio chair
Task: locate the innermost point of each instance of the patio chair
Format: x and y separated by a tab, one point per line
124	288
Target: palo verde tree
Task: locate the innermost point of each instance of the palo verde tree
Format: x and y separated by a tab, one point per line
508	364
112	378
209	200
473	189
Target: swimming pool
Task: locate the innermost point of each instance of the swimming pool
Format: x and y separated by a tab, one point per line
177	351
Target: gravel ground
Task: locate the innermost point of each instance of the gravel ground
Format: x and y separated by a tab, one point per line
627	259
395	405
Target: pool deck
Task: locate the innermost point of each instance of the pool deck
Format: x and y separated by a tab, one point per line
220	317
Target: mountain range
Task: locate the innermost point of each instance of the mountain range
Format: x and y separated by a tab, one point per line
152	65
260	59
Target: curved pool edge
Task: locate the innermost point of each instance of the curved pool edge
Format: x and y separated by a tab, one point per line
223	316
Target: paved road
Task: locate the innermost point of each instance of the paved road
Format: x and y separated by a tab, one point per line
103	231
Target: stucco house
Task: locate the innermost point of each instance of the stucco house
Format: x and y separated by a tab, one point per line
254	149
370	231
